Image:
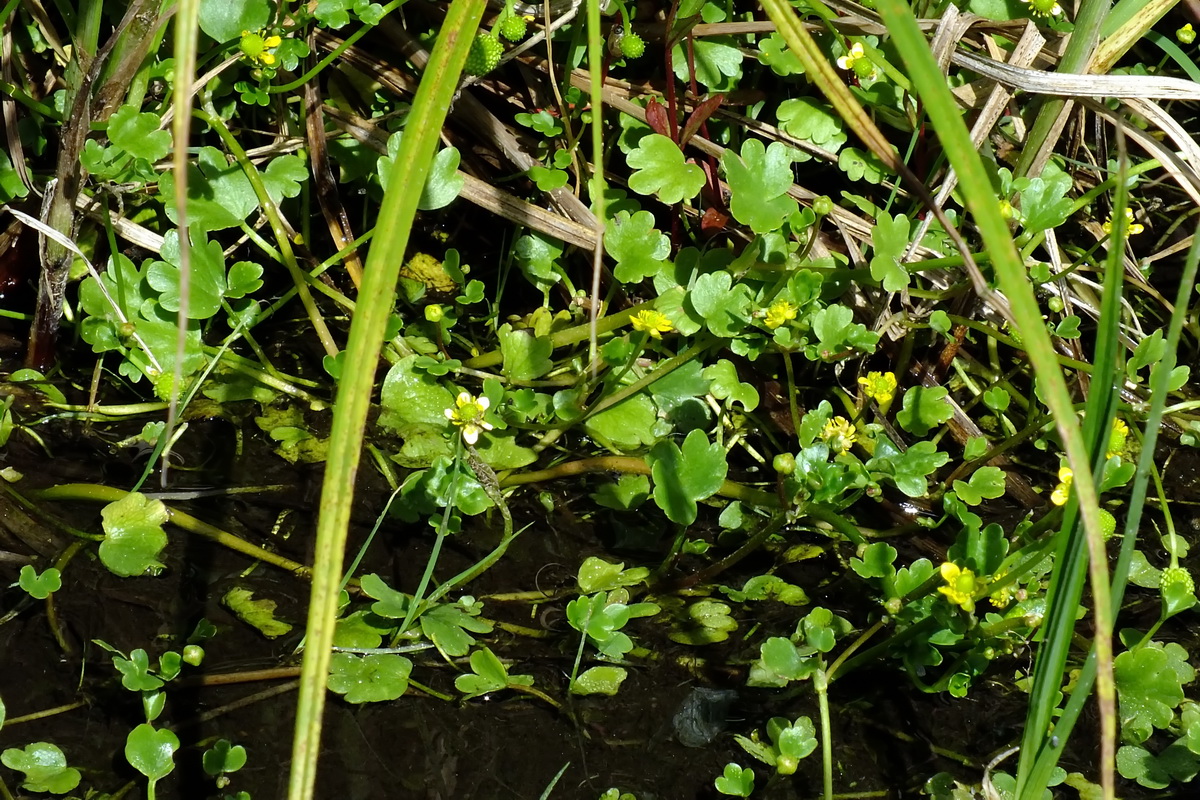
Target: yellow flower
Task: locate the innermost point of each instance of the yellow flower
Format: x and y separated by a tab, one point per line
1131	228
839	434
259	46
1063	490
1117	439
879	386
1044	8
1186	34
779	313
856	52
467	414
652	322
960	586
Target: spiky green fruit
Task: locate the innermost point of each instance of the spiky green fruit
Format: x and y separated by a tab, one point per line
1108	525
513	28
485	54
632	45
1172	576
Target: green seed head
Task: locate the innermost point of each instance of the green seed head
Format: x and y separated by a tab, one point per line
1176	576
632	45
513	28
485	54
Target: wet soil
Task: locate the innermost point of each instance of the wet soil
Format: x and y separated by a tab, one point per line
889	737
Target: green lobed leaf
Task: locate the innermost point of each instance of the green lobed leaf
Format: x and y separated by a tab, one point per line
410	396
890	239
135	672
810	120
39	586
223	757
444	182
224	20
259	614
45	768
151	751
759	181
726	385
133	535
375	678
526	356
1150	682
685	475
638	248
986	483
718	62
661	169
599	680
925	408
449	627
735	781
138	134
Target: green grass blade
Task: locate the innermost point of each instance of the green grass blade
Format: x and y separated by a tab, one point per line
981	201
376	299
1066	585
1075	60
1047	758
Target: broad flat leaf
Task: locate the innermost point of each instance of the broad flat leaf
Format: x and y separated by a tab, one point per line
812	121
151	751
390	604
135	672
444	181
890	238
1044	201
526	357
223	757
597	575
735	781
727	386
704	622
133	535
207	276
985	483
11	185
224	20
775	53
45	768
718	64
259	614
137	133
447	626
860	165
1150	684
629	492
411	396
284	177
724	307
685	475
375	678
599	680
627	425
219	193
925	408
538	257
639	250
759	181
38	586
876	561
660	169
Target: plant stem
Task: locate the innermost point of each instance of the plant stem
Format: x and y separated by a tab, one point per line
821	684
